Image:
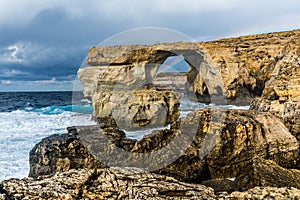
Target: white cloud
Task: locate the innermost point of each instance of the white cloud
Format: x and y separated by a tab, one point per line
16	12
47	85
12	53
53	80
13	73
26	53
6	82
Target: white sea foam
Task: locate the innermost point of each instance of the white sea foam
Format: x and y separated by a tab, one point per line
185	108
139	134
20	130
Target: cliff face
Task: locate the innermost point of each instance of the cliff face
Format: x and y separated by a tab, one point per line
248	62
238	69
245	63
258	146
281	95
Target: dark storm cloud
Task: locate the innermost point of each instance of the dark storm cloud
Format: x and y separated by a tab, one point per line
50	39
51	45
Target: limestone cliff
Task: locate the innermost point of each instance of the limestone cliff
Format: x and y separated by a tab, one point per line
281	95
233	70
245	64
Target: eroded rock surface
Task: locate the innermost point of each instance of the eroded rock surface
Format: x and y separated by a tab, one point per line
207	144
125	183
131	110
243	64
261	193
281	95
110	183
261	172
226	141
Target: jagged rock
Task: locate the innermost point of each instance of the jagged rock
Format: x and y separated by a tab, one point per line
262	193
267	173
287	110
109	183
221	186
59	153
281	95
207	144
131	110
124	183
242	64
226	142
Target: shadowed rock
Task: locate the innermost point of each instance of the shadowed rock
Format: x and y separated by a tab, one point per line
267	173
206	144
281	95
221	186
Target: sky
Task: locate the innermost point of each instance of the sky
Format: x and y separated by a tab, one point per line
43	43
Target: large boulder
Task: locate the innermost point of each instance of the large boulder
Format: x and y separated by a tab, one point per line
261	172
226	141
207	144
281	95
131	110
59	153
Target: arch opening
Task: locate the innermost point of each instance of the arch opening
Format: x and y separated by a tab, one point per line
172	74
179	74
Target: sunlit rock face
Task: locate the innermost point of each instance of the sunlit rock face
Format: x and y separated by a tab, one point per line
238	68
281	95
257	147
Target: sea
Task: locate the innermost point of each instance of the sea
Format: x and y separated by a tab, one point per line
28	117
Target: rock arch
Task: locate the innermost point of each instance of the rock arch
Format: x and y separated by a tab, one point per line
136	65
119	80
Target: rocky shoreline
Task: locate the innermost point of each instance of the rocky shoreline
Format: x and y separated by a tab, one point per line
209	154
